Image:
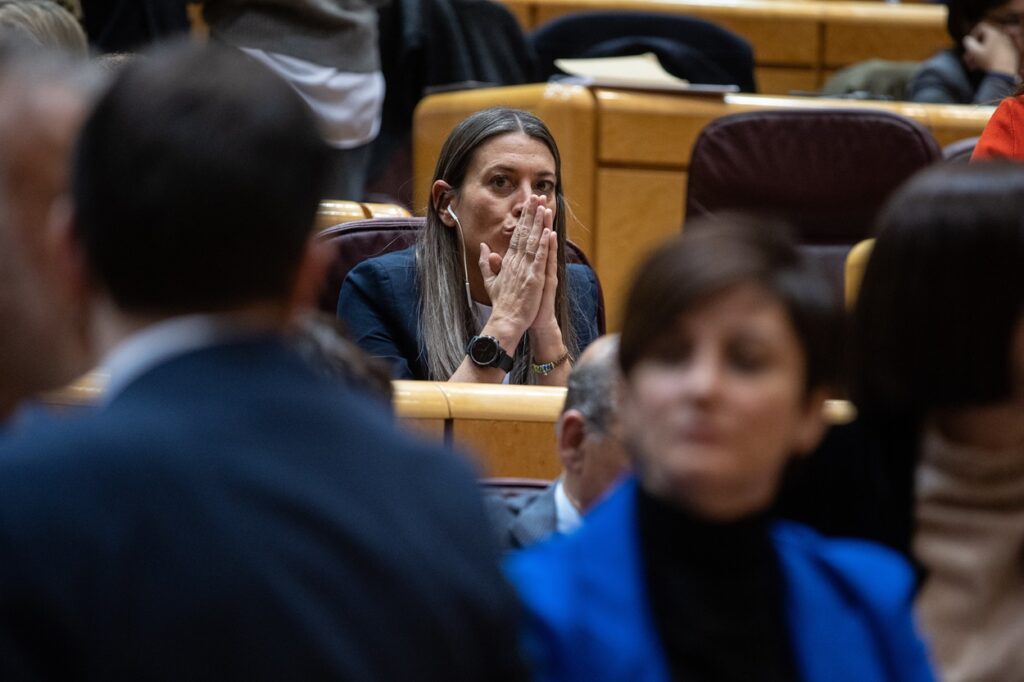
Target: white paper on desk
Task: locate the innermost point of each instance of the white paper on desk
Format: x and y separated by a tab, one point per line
637	71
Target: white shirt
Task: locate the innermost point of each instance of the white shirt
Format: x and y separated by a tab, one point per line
348	105
160	342
567	516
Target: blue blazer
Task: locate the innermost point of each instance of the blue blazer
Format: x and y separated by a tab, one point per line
232	515
847	601
380	297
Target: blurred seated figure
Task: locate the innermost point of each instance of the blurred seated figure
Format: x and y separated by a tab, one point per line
589	447
227	512
728	351
45	23
939	349
326	50
44	97
983	66
486	295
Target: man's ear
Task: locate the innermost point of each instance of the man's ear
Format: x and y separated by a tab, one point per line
441	196
812	425
311	275
572	429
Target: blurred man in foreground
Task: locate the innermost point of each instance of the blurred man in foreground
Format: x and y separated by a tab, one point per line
228	513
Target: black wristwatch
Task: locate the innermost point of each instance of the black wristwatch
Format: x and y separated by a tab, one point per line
485	351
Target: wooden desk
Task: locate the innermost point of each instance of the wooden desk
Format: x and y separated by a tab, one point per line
797	43
331	212
625	156
509	430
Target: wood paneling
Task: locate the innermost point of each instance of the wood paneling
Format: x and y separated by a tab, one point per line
509	448
784	79
637	210
805	36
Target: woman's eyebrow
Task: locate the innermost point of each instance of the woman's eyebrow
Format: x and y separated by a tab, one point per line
511	169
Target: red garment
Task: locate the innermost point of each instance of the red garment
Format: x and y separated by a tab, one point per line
1000	139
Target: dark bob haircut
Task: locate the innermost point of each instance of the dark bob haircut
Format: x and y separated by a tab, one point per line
715	255
943	292
196	180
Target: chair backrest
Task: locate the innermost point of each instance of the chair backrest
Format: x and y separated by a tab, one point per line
689	48
352	242
825	171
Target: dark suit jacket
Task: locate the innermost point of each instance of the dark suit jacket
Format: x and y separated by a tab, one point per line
379	299
523	519
230	515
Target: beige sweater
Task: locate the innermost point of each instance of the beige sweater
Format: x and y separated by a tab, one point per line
970	539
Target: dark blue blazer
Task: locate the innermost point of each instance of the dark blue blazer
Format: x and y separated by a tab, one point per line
380	297
230	515
847	601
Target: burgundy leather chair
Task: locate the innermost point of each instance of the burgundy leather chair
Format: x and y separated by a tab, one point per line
825	171
353	242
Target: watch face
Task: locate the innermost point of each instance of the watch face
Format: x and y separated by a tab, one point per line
483	350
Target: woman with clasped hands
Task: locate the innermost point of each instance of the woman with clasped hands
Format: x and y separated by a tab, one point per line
485	295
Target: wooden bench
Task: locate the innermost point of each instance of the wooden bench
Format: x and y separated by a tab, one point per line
797	43
625	156
332	212
509	430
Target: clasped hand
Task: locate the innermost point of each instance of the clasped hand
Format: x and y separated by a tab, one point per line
988	48
522	284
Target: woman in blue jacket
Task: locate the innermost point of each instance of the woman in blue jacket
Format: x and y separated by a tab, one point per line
728	351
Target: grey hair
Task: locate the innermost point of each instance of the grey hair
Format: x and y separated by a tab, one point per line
446	320
46	24
593	389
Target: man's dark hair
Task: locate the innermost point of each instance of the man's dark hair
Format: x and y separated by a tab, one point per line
943	293
196	181
714	255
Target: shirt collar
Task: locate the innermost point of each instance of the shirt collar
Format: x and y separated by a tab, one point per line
160	342
567	516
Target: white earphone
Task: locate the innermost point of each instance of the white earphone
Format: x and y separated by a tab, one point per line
465	263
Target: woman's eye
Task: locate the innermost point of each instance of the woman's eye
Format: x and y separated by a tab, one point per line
747	360
545	187
500	182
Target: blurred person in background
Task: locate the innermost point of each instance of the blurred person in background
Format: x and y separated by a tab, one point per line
938	358
983	66
44	23
327	51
